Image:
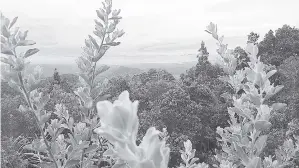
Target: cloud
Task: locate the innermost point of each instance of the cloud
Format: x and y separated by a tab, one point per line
155	29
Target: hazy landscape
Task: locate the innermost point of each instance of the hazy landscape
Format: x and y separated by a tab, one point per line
117	70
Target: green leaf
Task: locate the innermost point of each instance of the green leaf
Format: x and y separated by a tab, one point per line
116	12
260	144
278	106
221	39
73	141
6	61
239	112
184	157
26	43
91	148
193	160
277	89
87	43
102	98
98	33
108	39
99	54
75	154
211	28
101	14
98	23
113	43
14	85
208	31
101	70
5	50
83	145
255	99
23	109
120	165
111	28
146	164
46	165
3	40
115	18
31	52
85	78
44	118
71	122
271	73
254	163
20	64
252	49
94	42
13	22
250	75
119	33
262	125
24	35
241	154
258	79
71	163
5	32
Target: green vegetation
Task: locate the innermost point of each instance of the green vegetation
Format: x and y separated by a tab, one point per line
243	112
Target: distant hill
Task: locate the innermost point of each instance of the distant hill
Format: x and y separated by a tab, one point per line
117	70
120	71
114	70
176	69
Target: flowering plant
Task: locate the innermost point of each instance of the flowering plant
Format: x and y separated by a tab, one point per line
119	124
243	141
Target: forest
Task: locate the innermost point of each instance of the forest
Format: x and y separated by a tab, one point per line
240	113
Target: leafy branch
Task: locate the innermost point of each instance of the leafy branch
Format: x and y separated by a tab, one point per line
243	142
92	90
10	40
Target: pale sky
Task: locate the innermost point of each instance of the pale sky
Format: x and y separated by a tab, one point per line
156	30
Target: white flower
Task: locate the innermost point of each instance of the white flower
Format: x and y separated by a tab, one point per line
118	120
119	124
153	149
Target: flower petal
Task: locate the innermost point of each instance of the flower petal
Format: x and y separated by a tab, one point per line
146	164
124	96
112	133
104	108
120	119
150	135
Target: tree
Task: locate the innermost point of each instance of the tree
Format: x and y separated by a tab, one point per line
56	77
13	122
180	115
242	56
203	52
267	45
253	38
60	96
148	87
11	153
275	48
116	86
153	75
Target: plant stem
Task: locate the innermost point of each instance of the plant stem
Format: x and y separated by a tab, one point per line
35	117
92	87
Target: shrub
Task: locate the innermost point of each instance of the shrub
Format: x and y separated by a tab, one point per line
11	152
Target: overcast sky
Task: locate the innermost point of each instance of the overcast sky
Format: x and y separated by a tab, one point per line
156	30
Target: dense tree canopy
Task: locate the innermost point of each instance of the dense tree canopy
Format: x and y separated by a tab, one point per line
278	46
191	107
